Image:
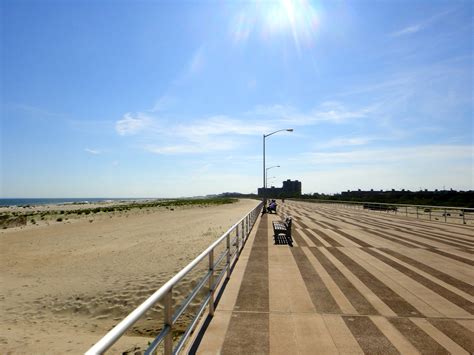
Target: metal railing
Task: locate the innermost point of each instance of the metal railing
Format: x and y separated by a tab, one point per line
211	280
461	215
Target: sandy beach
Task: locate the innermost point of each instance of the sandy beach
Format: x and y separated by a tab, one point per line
65	284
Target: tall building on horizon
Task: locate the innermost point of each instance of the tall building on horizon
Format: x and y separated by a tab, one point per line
291	188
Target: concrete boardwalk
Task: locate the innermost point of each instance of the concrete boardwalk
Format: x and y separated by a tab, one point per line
353	282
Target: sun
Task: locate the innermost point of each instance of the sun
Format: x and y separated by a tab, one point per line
271	19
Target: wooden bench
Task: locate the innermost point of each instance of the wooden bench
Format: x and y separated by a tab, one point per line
282	232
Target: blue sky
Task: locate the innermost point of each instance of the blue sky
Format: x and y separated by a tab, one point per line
166	99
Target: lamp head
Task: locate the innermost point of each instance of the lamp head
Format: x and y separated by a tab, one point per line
290	129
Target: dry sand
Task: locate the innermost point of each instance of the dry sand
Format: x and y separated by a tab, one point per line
64	285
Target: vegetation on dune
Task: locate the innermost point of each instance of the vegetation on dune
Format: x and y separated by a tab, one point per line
168	204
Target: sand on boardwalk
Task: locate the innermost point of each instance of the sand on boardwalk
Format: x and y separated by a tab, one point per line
64	285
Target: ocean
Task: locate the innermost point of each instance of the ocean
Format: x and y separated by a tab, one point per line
48	201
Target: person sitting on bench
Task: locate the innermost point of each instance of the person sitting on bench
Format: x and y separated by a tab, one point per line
272	207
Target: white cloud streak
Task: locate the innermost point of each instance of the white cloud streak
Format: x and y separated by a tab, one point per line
421	25
407	30
130	125
219	125
92	151
197	147
419	154
221	132
426	166
348	141
329	112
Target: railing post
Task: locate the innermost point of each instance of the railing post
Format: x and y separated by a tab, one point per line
237	238
247	220
463	218
430	214
416	212
445	215
211	282
168	313
406	211
228	254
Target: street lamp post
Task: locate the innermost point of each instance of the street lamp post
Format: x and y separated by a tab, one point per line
264	171
271	178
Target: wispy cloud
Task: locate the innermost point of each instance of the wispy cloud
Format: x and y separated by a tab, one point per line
420	153
332	112
164	103
37	112
192	68
348	141
216	133
222	132
130	125
197	147
414	28
408	30
92	151
197	61
219	125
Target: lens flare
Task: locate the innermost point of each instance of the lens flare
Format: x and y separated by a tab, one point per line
299	19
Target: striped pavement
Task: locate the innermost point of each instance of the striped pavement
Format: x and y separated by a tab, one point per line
353	282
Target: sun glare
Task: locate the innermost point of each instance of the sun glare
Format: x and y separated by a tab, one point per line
270	19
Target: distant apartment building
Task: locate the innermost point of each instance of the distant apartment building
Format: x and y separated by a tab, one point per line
291	188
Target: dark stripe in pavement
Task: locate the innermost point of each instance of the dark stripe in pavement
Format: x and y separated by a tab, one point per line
248	333
384	226
394	240
386	294
410	240
354	239
433	286
463	242
298	238
454	257
319	294
413	232
353	295
323	224
315	240
254	294
420	340
460	335
369	337
327	238
249	330
319	224
302	225
330	225
370	231
435	239
433	272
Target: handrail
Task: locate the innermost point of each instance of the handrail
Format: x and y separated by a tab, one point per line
384	203
420	210
246	223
